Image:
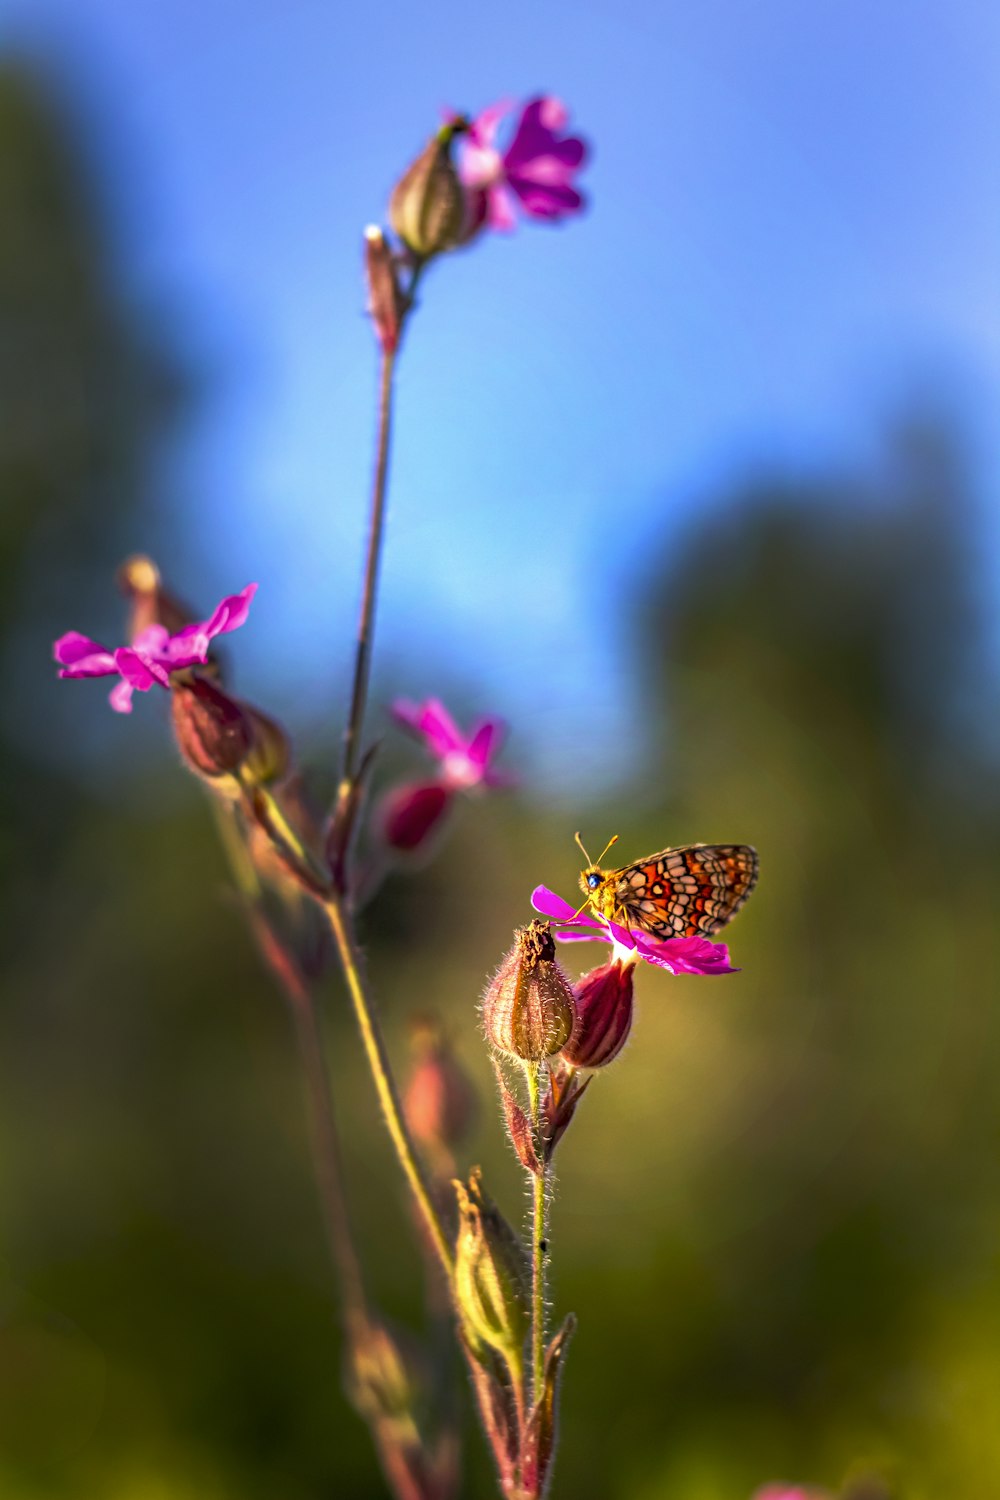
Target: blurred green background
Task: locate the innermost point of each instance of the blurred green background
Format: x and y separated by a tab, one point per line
778	1213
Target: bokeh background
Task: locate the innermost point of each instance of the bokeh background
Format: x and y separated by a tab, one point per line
700	493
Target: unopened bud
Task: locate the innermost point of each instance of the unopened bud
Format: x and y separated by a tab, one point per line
214	733
603	1015
440	1103
409	814
528	1009
427	205
139	579
386	304
270	753
492	1276
378	1381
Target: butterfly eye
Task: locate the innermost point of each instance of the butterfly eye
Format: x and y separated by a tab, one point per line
593	881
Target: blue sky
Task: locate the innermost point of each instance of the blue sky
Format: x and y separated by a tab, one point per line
794	222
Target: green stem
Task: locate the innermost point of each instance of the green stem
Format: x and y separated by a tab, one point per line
325	1143
385	1085
538	1186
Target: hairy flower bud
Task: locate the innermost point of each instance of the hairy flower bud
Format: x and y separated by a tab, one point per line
439	1103
528	1009
427	206
214	733
386	304
492	1276
603	1015
409	814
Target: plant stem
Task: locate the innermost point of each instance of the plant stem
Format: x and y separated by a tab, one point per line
369	591
538	1186
327	1158
378	1061
325	1144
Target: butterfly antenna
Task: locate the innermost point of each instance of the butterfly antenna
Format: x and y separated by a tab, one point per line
579	840
611	842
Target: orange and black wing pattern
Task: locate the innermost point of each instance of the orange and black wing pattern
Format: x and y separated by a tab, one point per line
686	892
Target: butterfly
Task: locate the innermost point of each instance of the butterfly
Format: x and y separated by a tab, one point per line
693	890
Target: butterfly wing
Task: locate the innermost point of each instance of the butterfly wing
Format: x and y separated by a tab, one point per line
690	891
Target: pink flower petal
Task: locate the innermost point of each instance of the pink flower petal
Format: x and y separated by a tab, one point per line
551	905
480	750
439	729
73	648
500	213
153	641
687	955
140	671
120	697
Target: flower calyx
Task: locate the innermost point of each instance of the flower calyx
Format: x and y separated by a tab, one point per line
529	1009
427	205
492	1278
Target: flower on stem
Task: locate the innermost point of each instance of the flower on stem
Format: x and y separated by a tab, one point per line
410	813
465	761
154	653
685	955
534	172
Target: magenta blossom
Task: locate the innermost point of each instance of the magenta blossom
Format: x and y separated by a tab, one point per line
535	170
686	955
465	760
154	653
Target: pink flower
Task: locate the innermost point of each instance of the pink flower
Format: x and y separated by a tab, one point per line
465	760
536	169
154	653
410	813
686	955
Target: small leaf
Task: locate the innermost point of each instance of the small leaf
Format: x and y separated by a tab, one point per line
518	1127
539	1443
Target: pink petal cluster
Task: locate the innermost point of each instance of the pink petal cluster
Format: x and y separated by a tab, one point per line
686	955
410	813
466	760
535	172
154	653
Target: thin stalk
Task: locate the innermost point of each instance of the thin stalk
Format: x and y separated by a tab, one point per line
369	591
385	1085
325	1143
538	1186
327	1159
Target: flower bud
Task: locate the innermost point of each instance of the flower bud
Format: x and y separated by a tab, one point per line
214	733
439	1103
270	753
378	1382
139	579
603	1015
528	1009
386	304
492	1276
409	814
427	205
